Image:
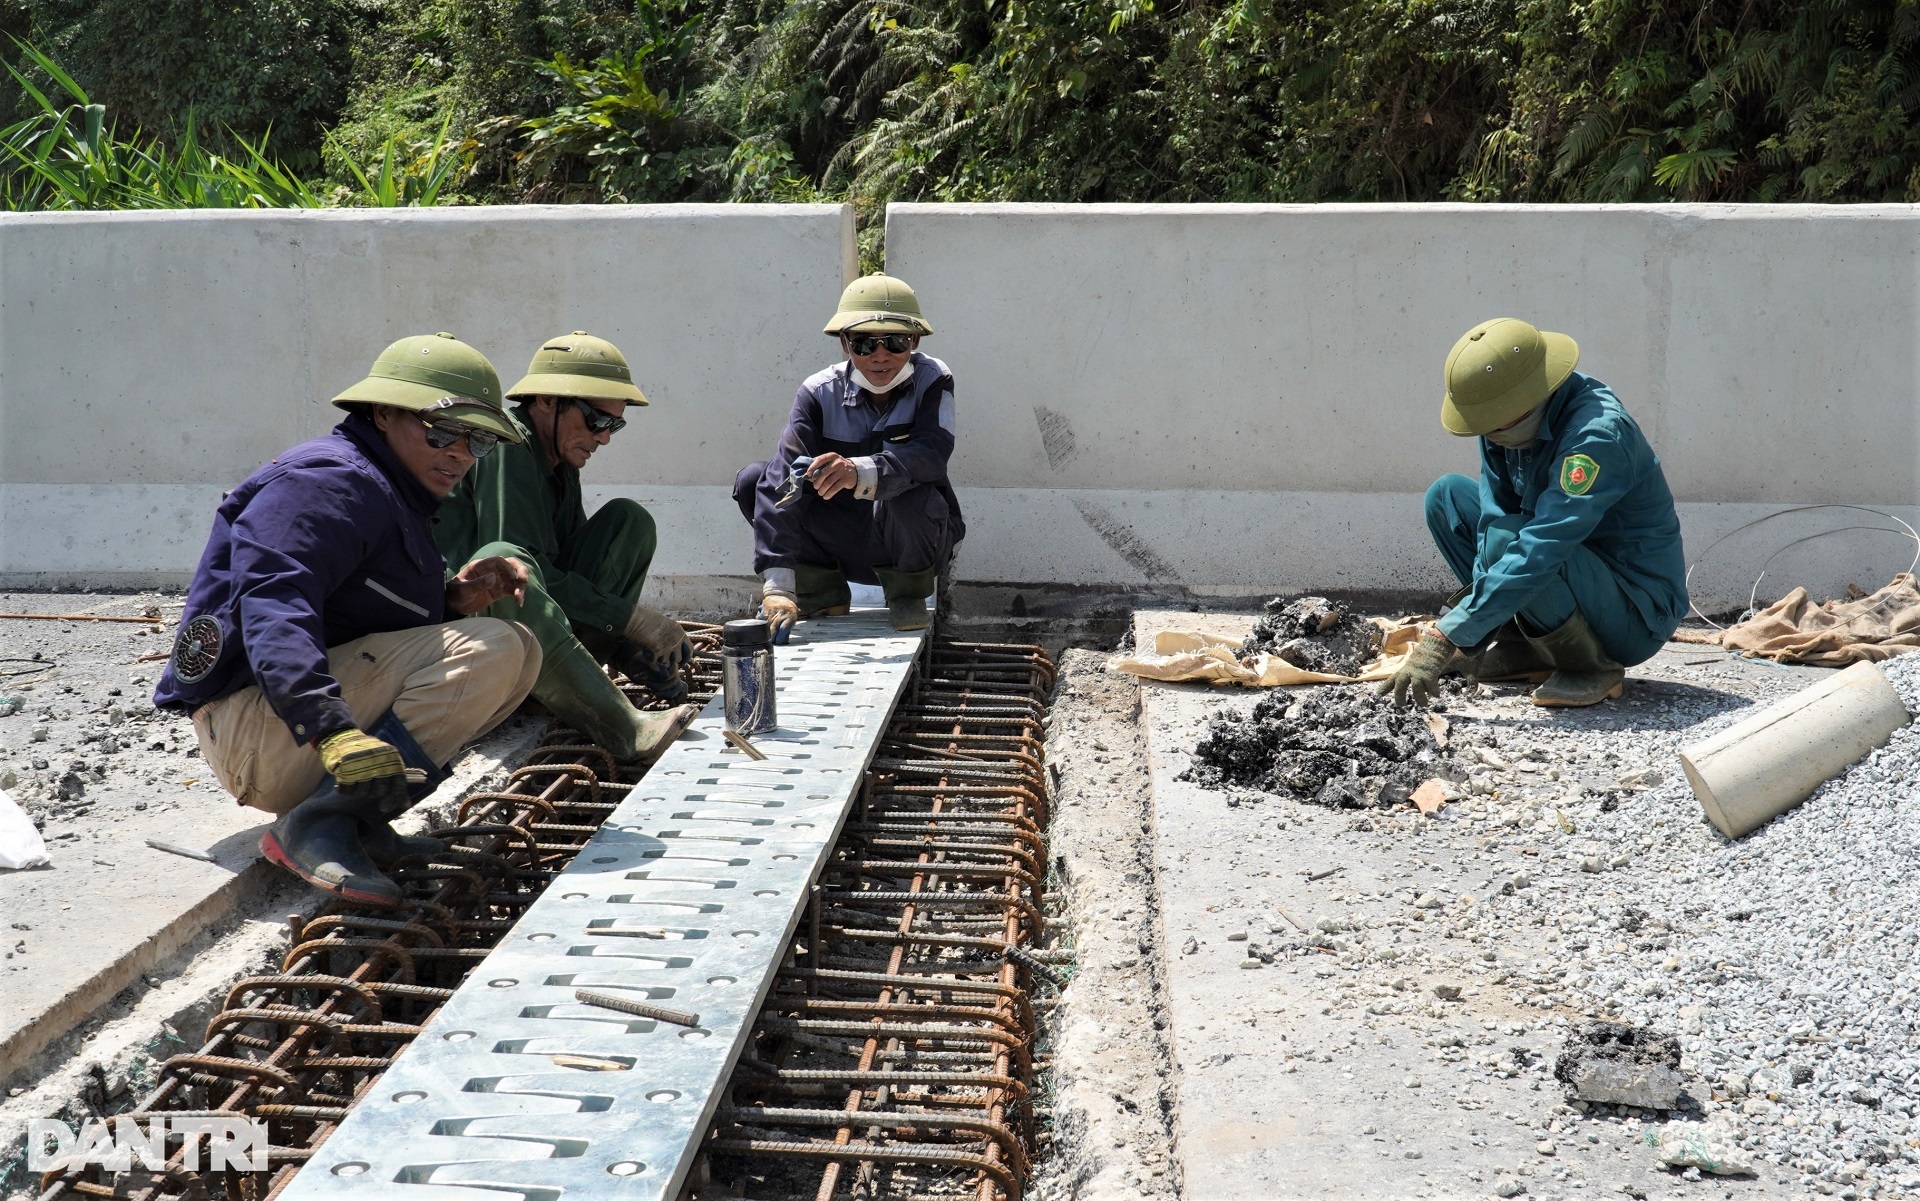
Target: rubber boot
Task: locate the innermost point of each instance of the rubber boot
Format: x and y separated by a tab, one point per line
667	683
1583	674
319	840
385	845
580	694
907	593
821	591
1511	657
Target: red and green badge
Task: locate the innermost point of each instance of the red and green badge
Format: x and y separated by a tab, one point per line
1577	473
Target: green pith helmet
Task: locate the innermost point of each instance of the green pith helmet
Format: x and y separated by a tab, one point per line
579	365
1500	370
878	304
435	372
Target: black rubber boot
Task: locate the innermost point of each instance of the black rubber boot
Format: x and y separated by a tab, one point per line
385	845
821	591
907	593
1583	674
667	683
319	840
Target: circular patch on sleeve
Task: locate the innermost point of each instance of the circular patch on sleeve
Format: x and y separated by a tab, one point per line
197	649
1577	474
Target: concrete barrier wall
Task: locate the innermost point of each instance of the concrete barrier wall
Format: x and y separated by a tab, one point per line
149	361
1241	398
1184	401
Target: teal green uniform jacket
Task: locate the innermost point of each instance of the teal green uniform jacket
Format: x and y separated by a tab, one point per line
513	496
1590	480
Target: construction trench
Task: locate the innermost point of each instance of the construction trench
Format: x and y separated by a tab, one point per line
1026	949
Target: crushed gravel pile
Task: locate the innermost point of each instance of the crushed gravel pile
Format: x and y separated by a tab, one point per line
1788	961
1334	745
1314	634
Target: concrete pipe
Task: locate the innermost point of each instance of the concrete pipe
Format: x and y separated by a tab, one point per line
1755	770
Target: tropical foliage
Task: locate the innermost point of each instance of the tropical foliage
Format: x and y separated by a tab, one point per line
424	101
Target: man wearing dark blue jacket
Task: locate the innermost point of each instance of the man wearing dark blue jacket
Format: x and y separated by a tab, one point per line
1568	545
326	683
857	487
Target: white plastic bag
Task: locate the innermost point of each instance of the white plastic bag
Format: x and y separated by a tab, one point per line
20	843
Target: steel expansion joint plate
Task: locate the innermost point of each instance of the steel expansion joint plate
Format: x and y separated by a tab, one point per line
686	898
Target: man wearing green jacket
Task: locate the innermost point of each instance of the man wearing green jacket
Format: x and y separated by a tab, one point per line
1568	545
582	600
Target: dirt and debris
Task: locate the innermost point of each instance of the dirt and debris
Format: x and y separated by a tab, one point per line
1113	1096
1314	634
81	744
1333	745
1615	1064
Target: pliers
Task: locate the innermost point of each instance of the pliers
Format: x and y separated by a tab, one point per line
796	481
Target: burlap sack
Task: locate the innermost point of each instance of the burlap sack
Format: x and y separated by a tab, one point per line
1189	656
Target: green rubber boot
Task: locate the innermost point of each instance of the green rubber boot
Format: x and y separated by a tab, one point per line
1582	673
580	694
821	591
907	593
1511	657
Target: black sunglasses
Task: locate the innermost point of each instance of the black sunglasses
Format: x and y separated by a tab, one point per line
864	344
599	421
442	434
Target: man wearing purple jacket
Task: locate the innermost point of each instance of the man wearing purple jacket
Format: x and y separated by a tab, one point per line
326	682
857	486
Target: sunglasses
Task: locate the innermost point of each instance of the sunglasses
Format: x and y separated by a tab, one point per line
864	344
442	434
599	421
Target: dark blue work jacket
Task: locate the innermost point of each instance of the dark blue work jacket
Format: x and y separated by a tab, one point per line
327	543
1590	479
909	437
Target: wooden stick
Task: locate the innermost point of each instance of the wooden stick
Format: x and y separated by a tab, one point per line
76	617
739	740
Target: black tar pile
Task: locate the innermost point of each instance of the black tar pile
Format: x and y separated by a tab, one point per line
1314	634
1333	745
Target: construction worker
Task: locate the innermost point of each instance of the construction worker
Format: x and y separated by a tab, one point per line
857	486
582	598
1568	545
326	683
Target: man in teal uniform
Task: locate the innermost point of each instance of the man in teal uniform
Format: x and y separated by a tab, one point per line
1568	546
583	598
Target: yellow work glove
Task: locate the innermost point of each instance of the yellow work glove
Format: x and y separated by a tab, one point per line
362	766
1418	679
780	610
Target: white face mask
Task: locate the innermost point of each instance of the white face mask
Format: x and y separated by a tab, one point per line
1519	436
899	377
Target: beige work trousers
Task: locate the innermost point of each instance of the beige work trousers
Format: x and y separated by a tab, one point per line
447	684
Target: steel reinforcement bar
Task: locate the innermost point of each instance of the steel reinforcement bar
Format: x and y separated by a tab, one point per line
896	1053
903	999
298	1048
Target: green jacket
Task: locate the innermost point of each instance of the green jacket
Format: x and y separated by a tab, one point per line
512	496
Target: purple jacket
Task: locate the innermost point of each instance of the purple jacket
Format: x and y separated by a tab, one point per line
908	444
327	543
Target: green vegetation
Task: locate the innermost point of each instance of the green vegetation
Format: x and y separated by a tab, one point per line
428	101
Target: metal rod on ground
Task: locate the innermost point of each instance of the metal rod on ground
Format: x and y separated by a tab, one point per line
176	849
639	1009
150	621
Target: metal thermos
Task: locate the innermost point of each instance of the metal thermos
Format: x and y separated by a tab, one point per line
746	674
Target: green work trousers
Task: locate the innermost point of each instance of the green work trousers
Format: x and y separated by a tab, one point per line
613	550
